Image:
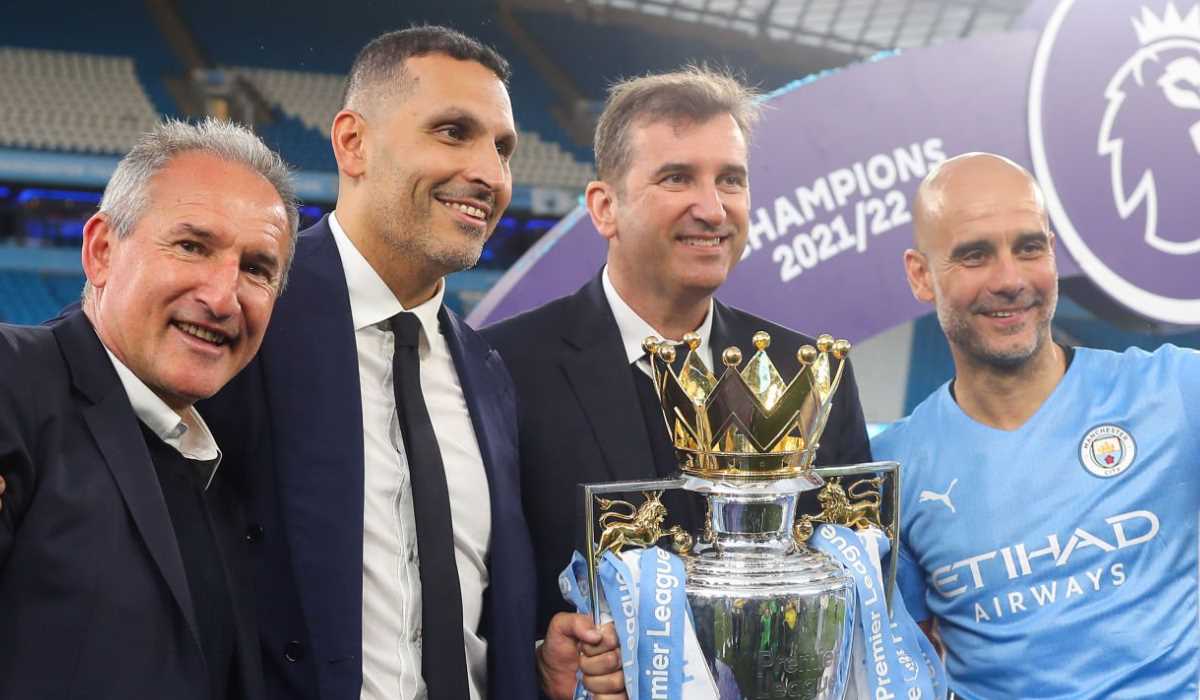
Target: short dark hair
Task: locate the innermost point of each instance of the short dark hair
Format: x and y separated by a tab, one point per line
381	61
695	93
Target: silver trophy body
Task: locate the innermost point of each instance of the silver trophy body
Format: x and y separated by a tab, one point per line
775	619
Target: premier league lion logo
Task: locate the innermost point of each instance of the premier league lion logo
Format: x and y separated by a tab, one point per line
1159	84
1114	124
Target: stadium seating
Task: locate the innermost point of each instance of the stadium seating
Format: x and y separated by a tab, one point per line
71	101
32	297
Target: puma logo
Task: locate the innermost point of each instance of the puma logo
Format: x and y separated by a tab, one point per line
944	498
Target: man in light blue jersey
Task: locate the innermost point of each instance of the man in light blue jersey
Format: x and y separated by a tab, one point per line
1051	494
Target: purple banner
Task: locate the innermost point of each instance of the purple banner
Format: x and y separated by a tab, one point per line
836	161
1114	124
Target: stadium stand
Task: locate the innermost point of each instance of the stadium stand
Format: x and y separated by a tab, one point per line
32	297
628	51
117	28
61	100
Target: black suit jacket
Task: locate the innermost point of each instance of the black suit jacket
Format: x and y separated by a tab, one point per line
94	594
580	417
291	427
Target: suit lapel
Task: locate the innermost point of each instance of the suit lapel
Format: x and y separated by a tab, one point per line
310	365
114	426
474	365
597	370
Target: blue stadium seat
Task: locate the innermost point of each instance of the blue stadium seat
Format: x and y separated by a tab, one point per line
32	297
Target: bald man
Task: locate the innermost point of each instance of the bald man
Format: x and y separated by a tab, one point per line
1050	493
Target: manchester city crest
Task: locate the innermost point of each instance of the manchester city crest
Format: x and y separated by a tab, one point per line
1107	450
1114	125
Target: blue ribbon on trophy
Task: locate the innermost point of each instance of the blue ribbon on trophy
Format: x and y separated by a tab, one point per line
642	592
899	660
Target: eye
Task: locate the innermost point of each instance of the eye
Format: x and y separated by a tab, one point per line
734	181
454	132
259	271
973	258
189	246
675	179
1031	249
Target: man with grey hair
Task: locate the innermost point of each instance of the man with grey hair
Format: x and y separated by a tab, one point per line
121	568
672	199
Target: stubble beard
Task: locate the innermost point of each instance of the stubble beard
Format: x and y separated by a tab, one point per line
963	335
412	236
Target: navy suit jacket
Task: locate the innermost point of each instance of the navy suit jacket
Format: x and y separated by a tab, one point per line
291	424
581	420
94	596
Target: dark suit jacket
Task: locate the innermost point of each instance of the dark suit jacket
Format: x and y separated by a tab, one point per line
94	594
581	421
291	425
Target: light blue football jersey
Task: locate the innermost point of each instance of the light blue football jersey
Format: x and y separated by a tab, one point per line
1061	558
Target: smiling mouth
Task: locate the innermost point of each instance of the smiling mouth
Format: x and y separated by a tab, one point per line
469	210
212	337
702	242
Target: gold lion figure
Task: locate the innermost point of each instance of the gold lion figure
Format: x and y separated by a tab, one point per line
638	527
857	507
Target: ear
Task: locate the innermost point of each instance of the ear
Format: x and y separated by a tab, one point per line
347	134
601	201
920	281
99	240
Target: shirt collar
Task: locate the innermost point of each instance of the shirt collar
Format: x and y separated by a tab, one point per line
187	434
371	300
634	329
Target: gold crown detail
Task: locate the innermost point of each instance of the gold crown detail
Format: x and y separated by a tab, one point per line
750	423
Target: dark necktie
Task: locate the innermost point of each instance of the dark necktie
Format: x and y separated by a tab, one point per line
443	657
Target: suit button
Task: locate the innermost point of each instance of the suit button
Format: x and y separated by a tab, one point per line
254	533
293	651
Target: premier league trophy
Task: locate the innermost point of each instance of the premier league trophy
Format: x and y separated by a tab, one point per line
774	617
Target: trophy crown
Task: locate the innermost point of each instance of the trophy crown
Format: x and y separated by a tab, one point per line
750	423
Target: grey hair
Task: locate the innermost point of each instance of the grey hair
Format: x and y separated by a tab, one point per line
128	192
694	93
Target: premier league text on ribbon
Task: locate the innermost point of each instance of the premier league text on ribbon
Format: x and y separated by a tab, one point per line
660	649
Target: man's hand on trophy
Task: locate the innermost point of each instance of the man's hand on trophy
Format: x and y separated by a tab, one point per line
572	644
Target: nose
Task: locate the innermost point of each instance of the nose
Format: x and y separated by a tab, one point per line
708	205
218	291
1007	279
488	167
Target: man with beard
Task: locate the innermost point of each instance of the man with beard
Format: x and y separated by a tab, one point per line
672	199
1050	493
377	433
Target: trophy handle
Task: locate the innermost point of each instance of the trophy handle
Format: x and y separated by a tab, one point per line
591	493
892	530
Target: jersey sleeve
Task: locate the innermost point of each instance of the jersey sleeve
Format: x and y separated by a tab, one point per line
1189	385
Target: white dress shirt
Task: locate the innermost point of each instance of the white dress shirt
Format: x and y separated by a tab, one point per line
391	614
187	433
634	329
